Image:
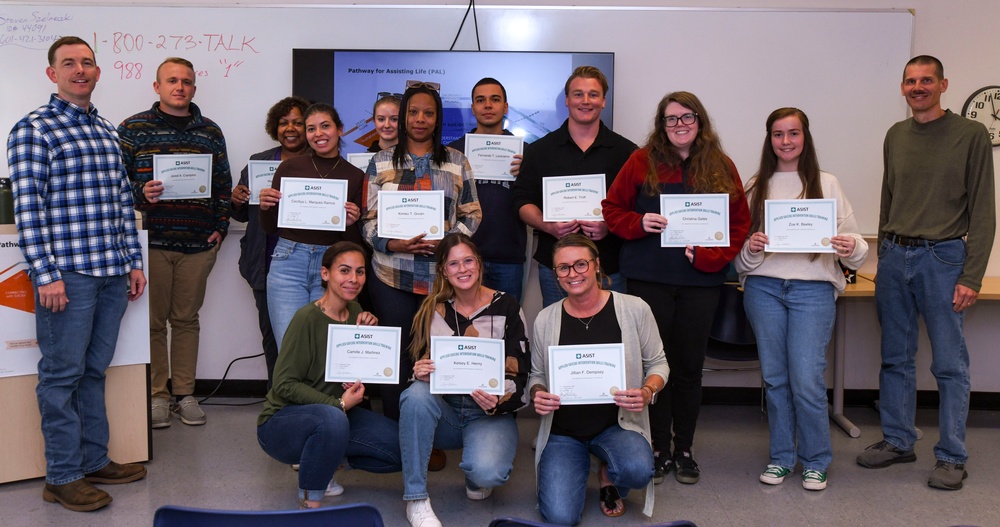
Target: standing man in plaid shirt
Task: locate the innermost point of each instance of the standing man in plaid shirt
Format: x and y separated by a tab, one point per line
76	228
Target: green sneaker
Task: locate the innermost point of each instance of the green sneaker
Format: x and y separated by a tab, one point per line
813	480
774	474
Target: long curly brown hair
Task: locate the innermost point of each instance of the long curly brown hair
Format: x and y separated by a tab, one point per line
708	170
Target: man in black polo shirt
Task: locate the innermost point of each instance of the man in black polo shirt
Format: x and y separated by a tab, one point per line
582	145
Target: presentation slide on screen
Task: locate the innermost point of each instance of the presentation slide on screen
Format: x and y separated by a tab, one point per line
534	83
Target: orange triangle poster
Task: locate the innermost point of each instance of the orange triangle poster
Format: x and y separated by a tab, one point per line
16	290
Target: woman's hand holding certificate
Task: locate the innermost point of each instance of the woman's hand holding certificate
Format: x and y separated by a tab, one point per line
465	364
403	214
800	225
699	220
586	374
369	354
314	204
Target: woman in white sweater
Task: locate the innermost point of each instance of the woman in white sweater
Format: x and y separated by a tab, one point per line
790	299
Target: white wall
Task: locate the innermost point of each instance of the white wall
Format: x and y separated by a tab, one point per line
961	34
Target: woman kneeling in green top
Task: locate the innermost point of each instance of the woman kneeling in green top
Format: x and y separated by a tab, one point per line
315	423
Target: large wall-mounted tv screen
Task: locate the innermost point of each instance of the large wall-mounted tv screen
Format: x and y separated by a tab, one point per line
353	79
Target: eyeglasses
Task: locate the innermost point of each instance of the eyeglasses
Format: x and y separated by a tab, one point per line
421	84
389	94
672	120
455	266
580	266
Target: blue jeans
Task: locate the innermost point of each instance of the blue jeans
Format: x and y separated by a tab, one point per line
564	468
318	436
506	277
395	308
292	282
451	422
77	345
793	321
922	280
552	292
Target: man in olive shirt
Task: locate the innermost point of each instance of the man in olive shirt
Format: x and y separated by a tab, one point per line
936	228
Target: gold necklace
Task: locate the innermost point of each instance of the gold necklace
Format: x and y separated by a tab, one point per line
321	175
322	309
586	325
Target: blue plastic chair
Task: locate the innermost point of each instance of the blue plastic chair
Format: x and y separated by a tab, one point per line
507	521
354	515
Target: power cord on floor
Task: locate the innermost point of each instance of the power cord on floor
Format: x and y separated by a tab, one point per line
223	379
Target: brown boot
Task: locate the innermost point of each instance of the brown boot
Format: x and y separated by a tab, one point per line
116	473
79	496
437	461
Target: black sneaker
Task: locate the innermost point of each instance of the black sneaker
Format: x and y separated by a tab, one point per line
685	468
662	465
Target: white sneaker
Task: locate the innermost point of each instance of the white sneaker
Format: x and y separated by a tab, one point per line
420	514
478	494
334	488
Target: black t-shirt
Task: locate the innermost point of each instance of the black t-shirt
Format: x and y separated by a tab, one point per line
585	421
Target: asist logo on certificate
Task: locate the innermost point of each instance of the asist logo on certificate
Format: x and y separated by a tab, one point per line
701	220
490	155
184	176
403	214
259	176
586	374
366	353
567	198
800	225
313	204
466	364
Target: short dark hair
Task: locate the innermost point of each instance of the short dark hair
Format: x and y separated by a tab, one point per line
67	41
588	72
489	81
926	60
281	109
174	60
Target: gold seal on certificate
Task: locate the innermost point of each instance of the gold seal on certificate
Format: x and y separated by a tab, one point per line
466	364
184	176
701	220
567	198
306	203
403	214
582	374
366	353
335	220
800	225
259	176
490	155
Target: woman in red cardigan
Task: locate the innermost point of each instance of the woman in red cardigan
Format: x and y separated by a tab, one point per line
681	284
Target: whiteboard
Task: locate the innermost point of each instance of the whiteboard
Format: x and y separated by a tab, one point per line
842	68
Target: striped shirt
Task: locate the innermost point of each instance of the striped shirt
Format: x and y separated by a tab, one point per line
181	225
72	198
405	271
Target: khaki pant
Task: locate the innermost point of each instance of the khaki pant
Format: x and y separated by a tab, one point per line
176	292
